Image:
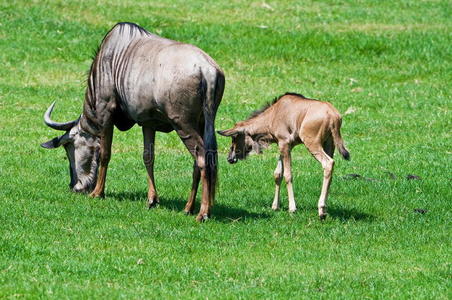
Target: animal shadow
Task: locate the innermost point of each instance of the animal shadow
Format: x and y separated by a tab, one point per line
127	196
345	214
221	213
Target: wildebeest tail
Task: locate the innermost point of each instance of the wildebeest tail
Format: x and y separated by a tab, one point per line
338	141
213	88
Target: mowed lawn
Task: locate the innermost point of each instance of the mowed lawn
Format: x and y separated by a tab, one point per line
386	65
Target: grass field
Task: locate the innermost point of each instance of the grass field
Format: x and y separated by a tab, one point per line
388	63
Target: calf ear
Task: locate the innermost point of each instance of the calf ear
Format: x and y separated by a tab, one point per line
53	143
228	132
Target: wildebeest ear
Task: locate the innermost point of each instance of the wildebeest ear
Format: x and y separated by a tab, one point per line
53	143
228	132
259	145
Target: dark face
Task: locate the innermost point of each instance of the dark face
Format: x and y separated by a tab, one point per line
241	146
243	143
82	151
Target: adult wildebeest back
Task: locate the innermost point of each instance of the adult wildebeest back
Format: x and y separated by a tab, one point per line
160	84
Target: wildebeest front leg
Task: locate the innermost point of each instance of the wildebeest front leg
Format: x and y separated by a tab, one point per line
287	161
105	154
327	164
278	174
148	158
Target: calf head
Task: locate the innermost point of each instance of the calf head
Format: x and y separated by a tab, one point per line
243	143
82	150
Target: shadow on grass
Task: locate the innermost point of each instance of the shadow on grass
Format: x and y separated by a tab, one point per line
127	196
344	214
221	213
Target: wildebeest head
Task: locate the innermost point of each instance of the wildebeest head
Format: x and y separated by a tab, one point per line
242	144
82	150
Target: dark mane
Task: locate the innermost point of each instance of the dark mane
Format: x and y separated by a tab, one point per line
122	26
293	94
132	27
264	108
124	30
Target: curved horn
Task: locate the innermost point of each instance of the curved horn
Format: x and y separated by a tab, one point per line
56	125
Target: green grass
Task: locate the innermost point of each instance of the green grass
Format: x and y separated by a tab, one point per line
388	61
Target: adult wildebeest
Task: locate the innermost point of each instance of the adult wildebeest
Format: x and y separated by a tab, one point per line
160	84
290	120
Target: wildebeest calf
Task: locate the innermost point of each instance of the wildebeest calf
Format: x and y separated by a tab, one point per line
290	120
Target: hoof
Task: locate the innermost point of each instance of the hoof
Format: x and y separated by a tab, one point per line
293	210
188	212
322	212
152	204
275	208
97	195
202	218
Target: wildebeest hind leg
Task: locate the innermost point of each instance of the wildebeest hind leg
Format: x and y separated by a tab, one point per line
194	143
328	165
189	207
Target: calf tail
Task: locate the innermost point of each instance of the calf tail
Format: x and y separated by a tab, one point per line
338	141
213	93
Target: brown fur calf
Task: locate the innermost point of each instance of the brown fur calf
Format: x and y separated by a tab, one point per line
290	120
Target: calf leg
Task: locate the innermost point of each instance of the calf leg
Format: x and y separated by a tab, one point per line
105	155
278	175
327	164
287	165
148	159
328	147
